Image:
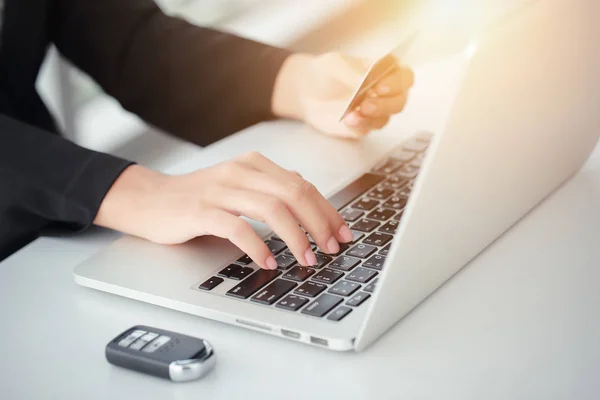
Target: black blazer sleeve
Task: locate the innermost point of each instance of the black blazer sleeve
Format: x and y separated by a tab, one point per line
46	180
193	82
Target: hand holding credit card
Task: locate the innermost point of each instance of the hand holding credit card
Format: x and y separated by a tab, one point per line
380	69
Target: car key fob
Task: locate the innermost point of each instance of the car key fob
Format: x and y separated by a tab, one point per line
161	353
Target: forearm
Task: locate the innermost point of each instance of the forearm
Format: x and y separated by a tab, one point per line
193	82
46	177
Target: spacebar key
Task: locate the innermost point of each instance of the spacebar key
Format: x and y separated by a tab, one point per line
251	284
353	190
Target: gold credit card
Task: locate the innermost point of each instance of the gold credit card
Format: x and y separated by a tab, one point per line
377	71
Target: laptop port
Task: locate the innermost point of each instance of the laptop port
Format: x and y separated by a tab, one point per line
253	324
319	341
290	334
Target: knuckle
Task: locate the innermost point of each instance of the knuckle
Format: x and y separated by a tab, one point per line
229	170
253	156
330	56
296	174
301	189
276	208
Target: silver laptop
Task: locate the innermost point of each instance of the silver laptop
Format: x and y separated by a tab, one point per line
524	121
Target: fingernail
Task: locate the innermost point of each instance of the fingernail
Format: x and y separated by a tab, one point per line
271	263
383	89
368	108
310	257
353	119
332	245
346	234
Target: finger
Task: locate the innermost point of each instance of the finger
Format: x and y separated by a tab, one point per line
340	229
357	123
382	106
311	209
274	212
240	233
397	82
379	122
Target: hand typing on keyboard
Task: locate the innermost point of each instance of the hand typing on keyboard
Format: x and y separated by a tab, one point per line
316	89
174	209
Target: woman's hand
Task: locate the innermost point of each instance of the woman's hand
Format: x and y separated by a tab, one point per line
317	89
174	209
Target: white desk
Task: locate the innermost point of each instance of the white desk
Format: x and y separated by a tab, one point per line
520	322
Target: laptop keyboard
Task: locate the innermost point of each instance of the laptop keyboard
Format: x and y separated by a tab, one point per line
372	205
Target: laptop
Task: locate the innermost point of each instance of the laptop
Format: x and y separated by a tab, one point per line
523	122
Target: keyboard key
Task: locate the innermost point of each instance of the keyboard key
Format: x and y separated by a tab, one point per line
275	237
403	155
211	283
328	276
407	172
362	251
285	261
381	193
351	215
310	289
385	250
395	182
275	246
371	286
344	288
416	146
348	194
365	225
244	260
388	167
365	204
378	239
322	305
292	302
375	262
358	299
416	162
405	191
356	236
398	216
322	260
299	273
361	275
234	271
339	313
390	227
345	263
381	214
253	283
289	253
395	202
273	292
343	248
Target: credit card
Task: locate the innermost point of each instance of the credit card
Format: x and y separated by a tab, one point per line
381	68
435	41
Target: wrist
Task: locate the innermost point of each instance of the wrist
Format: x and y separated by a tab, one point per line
286	100
127	198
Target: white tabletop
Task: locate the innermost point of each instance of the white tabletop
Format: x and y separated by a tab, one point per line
519	322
